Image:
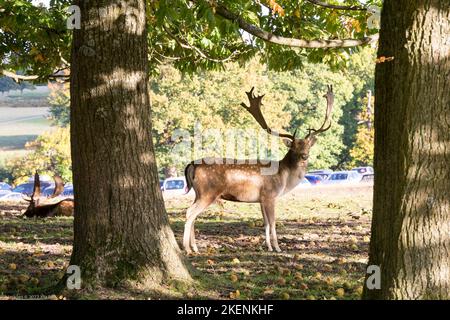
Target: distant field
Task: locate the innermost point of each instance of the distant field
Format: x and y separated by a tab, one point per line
28	98
22	119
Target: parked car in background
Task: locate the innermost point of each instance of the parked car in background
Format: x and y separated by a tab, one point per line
161	184
368	178
11	196
5	187
174	186
325	173
42	178
343	177
363	170
68	190
314	178
304	183
27	188
3	192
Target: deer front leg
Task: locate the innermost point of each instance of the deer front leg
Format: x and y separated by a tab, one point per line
266	228
269	208
191	214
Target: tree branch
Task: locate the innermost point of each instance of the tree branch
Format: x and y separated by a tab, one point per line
337	7
184	44
17	77
291	42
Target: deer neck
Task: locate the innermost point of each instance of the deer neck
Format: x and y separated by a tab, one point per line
293	170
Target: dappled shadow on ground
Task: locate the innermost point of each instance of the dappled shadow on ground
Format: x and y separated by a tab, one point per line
33	252
323	257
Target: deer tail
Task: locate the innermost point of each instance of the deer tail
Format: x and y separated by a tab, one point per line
189	173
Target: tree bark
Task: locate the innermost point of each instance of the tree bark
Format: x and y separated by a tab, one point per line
411	217
121	230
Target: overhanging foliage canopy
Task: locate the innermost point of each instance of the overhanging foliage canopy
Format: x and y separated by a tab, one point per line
196	34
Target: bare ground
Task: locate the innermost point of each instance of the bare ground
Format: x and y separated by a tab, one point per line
323	232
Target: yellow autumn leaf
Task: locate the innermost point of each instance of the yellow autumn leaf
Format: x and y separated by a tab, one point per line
327	267
340	292
359	290
329	281
383	59
281	281
299	267
285	296
268	291
356	25
39	58
23	278
303	286
234	295
276	8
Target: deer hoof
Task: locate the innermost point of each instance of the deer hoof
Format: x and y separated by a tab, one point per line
277	249
195	248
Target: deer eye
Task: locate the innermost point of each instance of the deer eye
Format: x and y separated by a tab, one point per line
304	156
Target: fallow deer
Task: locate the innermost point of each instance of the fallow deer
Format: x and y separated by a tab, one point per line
233	181
63	207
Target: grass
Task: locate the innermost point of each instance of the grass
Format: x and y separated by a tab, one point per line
323	233
28	94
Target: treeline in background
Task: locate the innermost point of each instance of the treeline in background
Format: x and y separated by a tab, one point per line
212	99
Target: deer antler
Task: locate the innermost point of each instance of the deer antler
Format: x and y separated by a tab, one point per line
37	187
330	102
255	111
59	187
34	198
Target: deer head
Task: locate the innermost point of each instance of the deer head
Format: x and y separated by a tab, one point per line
298	148
34	200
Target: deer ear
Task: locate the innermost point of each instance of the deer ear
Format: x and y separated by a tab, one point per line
287	142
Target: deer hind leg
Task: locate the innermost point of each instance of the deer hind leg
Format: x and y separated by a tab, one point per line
269	208
192	238
266	228
191	214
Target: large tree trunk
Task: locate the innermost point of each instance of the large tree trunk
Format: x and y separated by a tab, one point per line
411	218
121	227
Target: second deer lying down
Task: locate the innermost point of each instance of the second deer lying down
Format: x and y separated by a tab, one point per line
234	181
40	209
